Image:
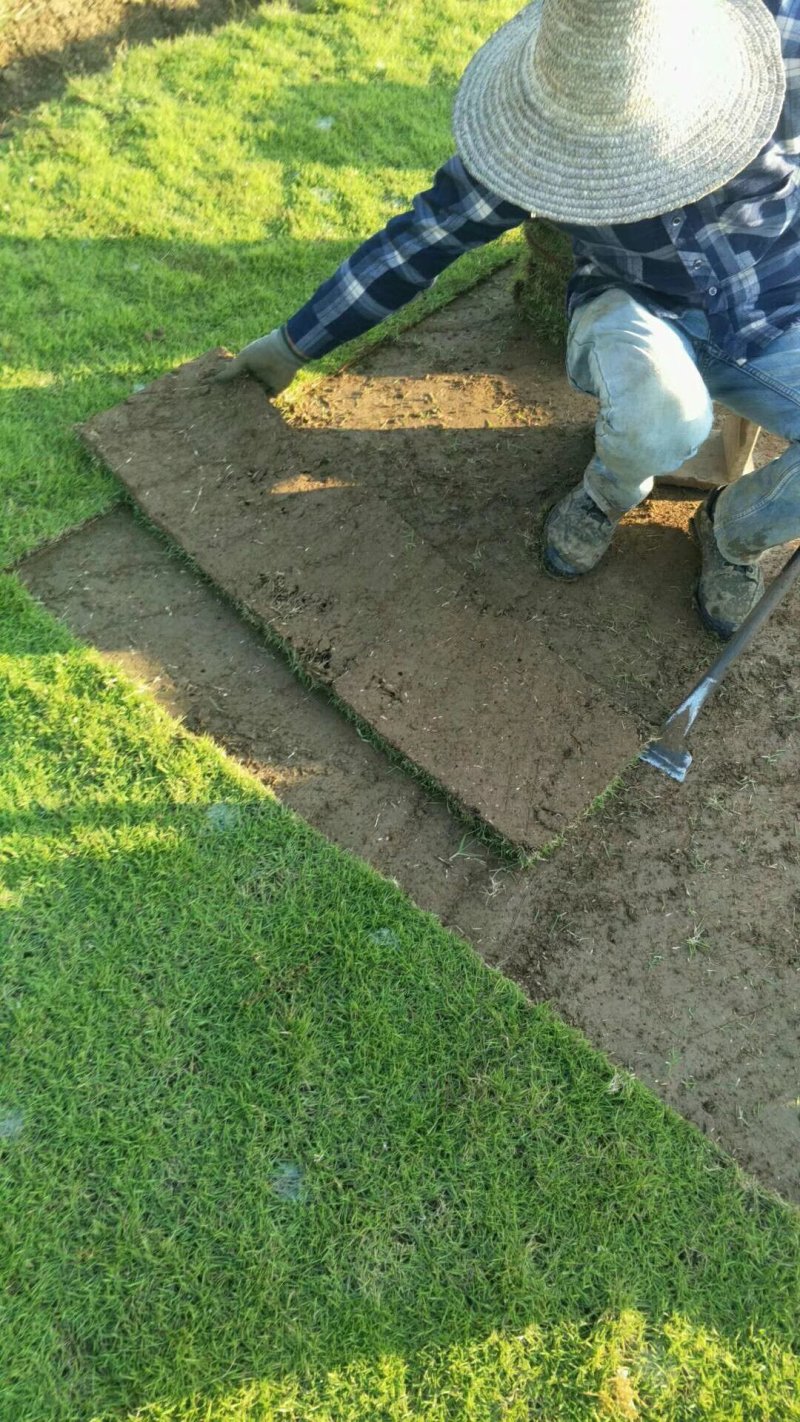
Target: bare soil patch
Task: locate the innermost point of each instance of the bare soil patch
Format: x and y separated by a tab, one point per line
388	534
665	925
44	42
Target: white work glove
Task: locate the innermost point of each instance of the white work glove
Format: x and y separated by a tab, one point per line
269	360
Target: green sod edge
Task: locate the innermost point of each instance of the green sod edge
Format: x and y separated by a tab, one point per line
471	821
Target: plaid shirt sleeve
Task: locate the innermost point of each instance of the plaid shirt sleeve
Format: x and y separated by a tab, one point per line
454	216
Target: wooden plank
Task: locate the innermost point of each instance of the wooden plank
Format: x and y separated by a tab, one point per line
727	454
739	439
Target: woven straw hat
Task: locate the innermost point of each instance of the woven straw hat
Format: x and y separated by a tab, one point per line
608	111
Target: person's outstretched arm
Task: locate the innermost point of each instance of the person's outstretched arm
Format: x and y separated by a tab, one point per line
454	216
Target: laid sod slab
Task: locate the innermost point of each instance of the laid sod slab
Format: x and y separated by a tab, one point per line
660	925
387	534
273	1144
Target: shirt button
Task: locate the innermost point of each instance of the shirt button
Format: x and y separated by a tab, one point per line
712	290
696	266
676	222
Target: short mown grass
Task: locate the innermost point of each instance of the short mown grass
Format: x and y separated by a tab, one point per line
273	1144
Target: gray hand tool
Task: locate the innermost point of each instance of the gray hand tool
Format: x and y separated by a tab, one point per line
670	754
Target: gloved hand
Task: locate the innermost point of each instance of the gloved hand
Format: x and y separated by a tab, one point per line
269	360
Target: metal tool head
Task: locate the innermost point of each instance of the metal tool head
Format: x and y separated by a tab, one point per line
667	759
669	754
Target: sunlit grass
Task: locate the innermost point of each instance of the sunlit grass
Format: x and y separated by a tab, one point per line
273	1144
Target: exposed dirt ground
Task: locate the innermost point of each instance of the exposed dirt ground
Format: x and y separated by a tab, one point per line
43	42
665	926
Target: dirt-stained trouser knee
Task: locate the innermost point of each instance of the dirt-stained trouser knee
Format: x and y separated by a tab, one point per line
655	409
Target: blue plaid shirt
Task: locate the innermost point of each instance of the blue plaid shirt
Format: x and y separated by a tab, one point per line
735	254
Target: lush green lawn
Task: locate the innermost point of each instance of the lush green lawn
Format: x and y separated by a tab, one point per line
272	1143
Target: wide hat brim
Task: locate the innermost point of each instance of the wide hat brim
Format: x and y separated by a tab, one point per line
553	163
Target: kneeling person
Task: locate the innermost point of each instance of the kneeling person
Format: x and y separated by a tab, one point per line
663	137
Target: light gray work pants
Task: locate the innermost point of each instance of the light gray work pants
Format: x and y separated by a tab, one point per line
656	380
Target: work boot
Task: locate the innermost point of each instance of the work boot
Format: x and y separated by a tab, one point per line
726	592
576	535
